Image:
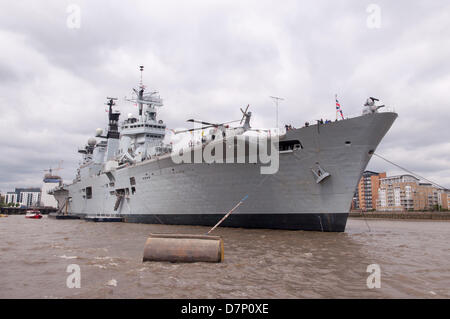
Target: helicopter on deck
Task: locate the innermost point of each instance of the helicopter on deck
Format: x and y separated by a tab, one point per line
223	130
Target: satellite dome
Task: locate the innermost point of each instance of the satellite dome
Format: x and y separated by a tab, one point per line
98	132
92	142
130	115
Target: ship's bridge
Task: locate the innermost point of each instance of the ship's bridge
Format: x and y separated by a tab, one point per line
130	128
140	138
149	129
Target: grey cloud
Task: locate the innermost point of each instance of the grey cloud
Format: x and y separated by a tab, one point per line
207	60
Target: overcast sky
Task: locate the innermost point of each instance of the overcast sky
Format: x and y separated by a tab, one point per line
208	58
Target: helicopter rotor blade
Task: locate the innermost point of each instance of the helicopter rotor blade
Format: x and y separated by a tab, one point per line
228	122
202	122
212	124
244	113
192	129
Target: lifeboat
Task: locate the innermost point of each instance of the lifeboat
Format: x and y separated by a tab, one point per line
33	214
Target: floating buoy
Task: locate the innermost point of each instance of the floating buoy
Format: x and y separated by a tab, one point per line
187	248
183	248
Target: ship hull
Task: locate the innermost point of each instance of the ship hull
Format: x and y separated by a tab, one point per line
162	191
302	221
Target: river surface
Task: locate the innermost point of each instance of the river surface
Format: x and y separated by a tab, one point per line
413	256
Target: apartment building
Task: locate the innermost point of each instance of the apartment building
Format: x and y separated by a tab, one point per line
444	199
11	197
407	193
24	196
366	194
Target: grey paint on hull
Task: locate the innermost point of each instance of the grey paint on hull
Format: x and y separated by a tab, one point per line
342	148
321	222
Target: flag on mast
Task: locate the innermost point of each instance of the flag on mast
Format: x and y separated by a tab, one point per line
338	108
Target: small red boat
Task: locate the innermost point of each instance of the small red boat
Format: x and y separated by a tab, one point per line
34	214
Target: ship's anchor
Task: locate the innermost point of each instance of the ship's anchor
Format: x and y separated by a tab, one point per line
320	173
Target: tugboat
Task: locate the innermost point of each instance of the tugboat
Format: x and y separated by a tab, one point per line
33	214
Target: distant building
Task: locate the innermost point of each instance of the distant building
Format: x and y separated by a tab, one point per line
11	197
406	193
32	197
50	182
444	199
2	198
366	194
24	196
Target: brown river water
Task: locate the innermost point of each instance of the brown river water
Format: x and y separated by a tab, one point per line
414	258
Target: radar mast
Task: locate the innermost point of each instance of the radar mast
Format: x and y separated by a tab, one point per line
150	99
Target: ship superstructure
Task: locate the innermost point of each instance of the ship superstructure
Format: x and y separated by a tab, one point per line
131	172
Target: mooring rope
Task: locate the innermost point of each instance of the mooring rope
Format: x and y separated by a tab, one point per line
362	213
406	170
238	204
409	171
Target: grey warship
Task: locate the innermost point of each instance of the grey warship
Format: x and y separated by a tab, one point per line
129	172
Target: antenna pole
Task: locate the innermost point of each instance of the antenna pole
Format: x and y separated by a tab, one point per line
141	68
141	93
110	103
276	99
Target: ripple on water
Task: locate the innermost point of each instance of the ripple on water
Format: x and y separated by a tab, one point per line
413	257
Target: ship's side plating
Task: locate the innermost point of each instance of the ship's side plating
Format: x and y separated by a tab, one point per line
158	190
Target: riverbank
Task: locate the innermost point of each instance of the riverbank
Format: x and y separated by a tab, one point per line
23	211
402	215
